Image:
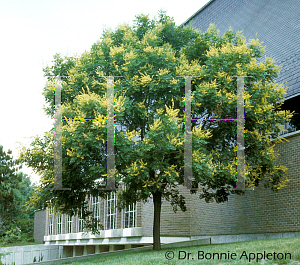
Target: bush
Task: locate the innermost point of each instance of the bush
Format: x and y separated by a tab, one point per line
11	236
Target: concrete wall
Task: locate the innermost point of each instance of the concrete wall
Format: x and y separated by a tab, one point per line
39	226
26	254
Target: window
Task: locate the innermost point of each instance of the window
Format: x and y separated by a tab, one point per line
130	216
111	210
69	224
51	215
130	213
59	218
80	222
292	104
96	209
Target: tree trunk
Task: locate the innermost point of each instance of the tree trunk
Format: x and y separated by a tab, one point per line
156	220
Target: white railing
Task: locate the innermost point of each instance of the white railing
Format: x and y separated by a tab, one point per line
28	254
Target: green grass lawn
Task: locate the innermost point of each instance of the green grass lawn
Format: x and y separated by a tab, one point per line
18	244
289	245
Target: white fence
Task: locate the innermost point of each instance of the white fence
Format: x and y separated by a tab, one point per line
28	254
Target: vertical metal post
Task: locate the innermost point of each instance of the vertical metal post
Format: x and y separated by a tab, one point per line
188	161
240	136
110	184
58	139
240	185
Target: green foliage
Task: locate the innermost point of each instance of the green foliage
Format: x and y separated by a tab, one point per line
15	188
9	180
149	105
25	218
12	235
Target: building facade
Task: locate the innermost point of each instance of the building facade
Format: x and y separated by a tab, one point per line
260	212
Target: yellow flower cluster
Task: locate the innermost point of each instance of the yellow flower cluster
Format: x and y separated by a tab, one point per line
71	152
253	42
100	120
174	81
148	49
160	111
169	170
156	125
241	49
86	98
123	27
175	140
212	52
199	132
232	167
108	41
256	43
159	50
221	74
145	79
135	80
119	104
131	135
229	48
98	138
100	53
262	67
172	113
231	96
116	49
129	56
141	105
252	64
163	71
136	169
187	69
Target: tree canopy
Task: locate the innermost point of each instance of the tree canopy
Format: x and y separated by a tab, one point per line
152	56
16	223
9	180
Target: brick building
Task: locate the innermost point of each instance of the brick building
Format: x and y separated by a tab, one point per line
260	213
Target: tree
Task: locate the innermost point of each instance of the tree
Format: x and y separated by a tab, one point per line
25	217
149	107
9	180
15	190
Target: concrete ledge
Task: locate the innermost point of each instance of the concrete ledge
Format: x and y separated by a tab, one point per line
222	239
56	261
190	243
288	135
195	241
104	234
135	240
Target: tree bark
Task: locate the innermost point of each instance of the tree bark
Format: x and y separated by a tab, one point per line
156	220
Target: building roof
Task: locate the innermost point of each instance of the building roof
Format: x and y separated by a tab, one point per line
276	22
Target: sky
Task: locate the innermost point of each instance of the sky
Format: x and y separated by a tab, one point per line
32	31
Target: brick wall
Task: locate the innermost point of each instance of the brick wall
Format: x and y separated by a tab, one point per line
258	211
171	224
147	218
